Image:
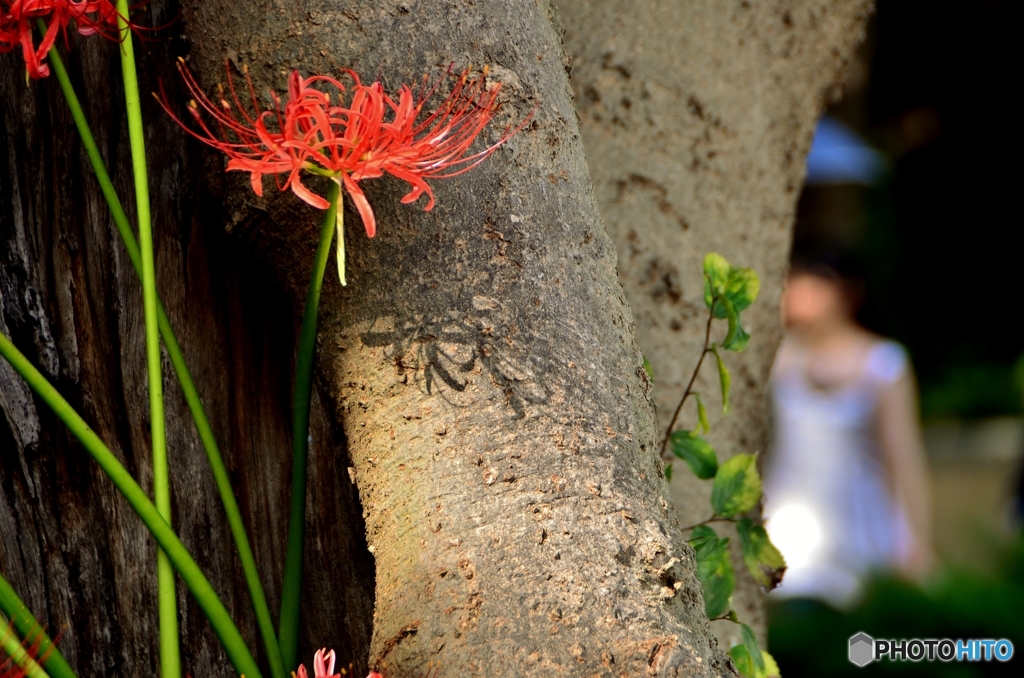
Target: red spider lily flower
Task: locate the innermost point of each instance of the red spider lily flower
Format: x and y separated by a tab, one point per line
18	18
323	665
372	136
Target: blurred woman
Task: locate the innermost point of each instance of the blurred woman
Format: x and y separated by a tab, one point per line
846	483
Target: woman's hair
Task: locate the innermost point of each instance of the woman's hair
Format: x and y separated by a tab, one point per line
833	263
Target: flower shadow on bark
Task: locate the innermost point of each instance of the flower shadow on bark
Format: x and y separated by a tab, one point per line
441	340
442	356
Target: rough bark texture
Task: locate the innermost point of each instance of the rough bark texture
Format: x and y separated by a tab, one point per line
483	366
69	299
697	118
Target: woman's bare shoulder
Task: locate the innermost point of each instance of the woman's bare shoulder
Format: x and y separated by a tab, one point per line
791	355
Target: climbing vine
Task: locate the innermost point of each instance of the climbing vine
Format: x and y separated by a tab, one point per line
736	482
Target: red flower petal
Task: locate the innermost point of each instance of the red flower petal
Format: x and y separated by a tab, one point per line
373	135
308	196
362	205
18	20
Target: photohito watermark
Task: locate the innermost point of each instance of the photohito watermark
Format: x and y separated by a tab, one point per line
864	649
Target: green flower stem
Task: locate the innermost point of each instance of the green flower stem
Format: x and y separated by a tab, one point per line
178	556
170	653
291	591
195	404
11	645
26	627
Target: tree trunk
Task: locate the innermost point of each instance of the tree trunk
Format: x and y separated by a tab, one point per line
70	300
480	368
697	118
482	365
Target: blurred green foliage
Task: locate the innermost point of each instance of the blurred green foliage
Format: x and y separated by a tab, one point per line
971	390
808	638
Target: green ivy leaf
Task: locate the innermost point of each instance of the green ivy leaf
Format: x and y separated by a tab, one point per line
649	369
702	533
716	277
737	286
724	378
729	311
750	642
763	560
668	472
727	292
742	287
737	338
738	341
714	569
702	415
696	452
745	665
737	487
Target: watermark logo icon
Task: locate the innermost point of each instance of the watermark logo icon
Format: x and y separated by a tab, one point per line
862	649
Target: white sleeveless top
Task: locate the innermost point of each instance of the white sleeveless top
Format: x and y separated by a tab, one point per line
828	506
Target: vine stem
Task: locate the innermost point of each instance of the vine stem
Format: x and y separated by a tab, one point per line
712	519
29	629
195	405
693	378
170	652
177	554
291	589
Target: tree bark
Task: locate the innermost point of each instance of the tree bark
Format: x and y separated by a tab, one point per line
70	300
480	368
481	362
697	118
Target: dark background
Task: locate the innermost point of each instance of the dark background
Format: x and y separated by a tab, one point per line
939	237
940	242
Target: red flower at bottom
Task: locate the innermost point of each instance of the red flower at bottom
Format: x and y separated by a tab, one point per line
373	135
323	665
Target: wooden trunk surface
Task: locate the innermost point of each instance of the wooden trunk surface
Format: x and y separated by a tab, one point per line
69	544
482	364
697	117
479	375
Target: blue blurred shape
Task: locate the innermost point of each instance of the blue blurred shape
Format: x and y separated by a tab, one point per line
839	156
